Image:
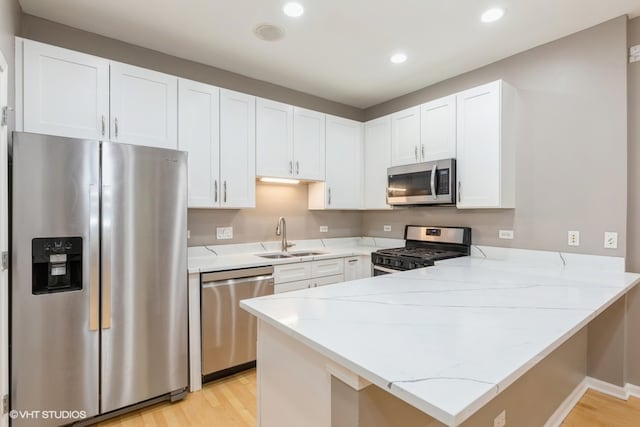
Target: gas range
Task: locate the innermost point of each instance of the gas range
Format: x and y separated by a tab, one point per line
423	246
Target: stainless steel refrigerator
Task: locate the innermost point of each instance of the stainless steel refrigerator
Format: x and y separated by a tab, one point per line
98	276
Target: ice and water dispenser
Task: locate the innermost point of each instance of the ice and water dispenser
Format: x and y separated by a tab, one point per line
56	264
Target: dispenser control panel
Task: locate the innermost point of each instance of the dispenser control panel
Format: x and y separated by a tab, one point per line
56	264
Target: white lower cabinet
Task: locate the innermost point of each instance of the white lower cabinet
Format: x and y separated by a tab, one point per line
311	274
357	267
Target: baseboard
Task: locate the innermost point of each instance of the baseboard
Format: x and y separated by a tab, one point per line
572	400
555	420
632	390
607	388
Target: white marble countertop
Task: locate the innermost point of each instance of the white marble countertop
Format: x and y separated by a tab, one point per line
449	338
204	259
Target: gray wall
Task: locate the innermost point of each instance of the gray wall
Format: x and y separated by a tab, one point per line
71	38
258	225
9	27
571	145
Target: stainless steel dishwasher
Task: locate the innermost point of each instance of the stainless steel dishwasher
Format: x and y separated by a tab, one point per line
228	332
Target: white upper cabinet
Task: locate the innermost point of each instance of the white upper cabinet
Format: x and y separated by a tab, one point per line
405	137
438	129
199	136
290	141
342	188
274	139
237	149
308	144
485	147
144	107
65	93
377	158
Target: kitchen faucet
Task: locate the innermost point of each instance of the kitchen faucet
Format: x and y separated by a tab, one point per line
281	230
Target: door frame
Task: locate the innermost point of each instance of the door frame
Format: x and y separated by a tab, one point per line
4	242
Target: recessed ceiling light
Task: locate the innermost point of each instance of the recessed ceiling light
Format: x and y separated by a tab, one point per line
280	180
293	9
268	32
492	15
398	58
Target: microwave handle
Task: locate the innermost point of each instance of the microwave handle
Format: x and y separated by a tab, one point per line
433	182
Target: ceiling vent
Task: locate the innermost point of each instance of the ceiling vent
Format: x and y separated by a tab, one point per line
268	32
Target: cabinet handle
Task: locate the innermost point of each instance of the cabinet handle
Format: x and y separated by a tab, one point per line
103	126
329	190
115	125
422	151
215	186
459	191
415	152
297	167
290	167
351	261
225	192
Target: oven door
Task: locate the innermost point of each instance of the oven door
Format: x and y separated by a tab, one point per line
379	270
422	183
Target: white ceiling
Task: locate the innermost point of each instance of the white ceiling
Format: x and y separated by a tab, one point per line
338	49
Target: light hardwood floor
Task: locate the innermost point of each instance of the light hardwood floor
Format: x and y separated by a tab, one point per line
231	402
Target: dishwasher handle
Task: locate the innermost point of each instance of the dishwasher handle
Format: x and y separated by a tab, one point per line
229	282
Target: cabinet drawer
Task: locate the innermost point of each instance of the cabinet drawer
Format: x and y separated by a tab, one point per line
330	280
292	272
292	286
327	267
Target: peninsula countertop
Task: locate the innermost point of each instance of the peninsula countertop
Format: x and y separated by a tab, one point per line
447	339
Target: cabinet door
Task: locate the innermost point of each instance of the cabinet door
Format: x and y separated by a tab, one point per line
329	280
327	267
438	129
405	136
478	147
309	144
351	268
274	139
365	266
292	272
199	136
343	179
65	93
144	107
291	286
377	158
237	149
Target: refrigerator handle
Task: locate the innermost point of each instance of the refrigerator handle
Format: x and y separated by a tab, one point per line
107	218
94	257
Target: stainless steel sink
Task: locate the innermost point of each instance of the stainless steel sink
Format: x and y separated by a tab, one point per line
275	256
306	253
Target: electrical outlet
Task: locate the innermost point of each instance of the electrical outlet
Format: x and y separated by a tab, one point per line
501	419
505	234
188	234
573	238
387	228
610	240
324	228
224	233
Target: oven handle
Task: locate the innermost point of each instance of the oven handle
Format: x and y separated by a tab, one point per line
385	270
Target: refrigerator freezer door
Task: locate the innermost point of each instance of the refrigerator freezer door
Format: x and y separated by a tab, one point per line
54	342
144	273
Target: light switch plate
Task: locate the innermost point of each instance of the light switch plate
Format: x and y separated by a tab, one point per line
324	228
224	233
188	234
387	228
610	240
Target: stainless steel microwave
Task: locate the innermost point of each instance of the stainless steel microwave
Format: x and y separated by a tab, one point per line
428	183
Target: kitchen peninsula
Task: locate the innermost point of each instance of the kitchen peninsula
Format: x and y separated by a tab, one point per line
454	345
